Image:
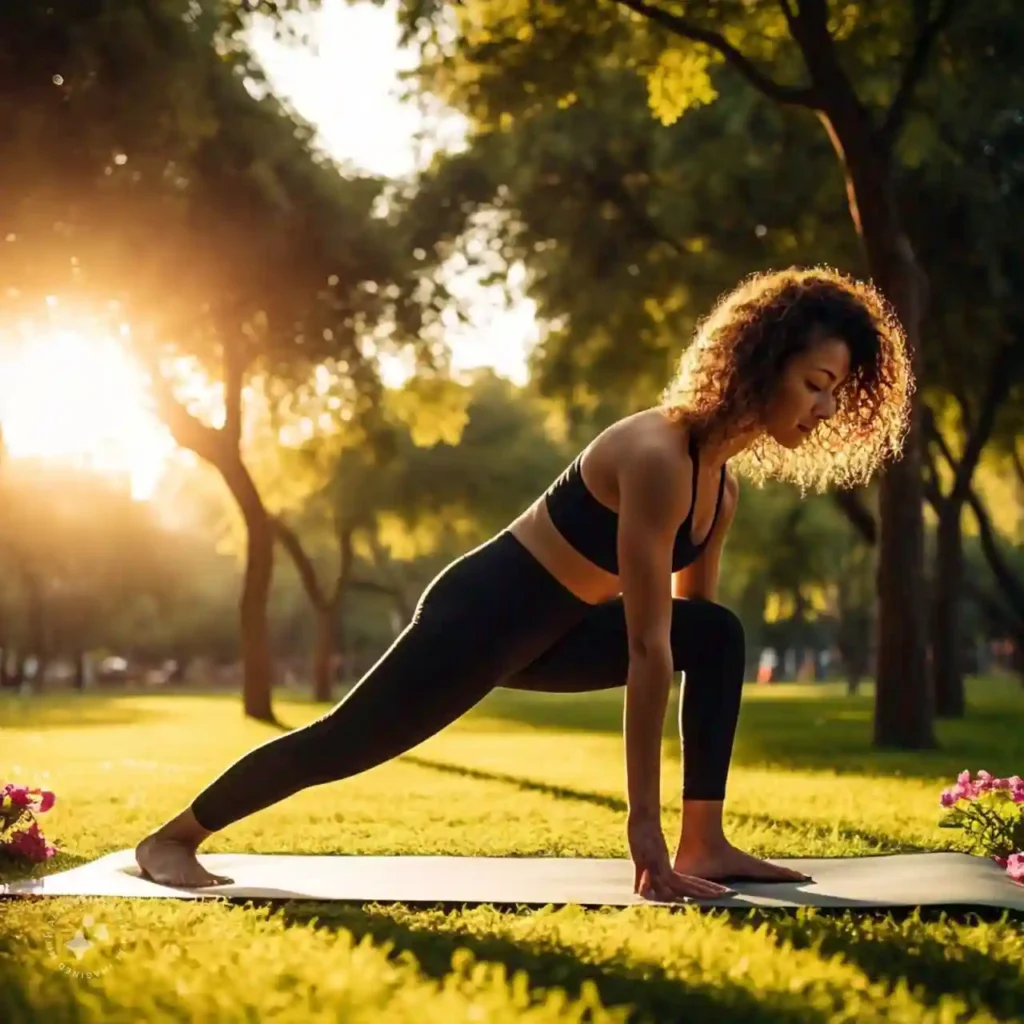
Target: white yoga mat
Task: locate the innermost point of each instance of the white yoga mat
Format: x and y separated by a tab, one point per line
898	880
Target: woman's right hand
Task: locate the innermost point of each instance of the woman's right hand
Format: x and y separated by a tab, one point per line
654	876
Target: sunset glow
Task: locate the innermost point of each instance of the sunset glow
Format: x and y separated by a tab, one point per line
80	399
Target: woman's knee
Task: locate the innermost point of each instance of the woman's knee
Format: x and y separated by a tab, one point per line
701	626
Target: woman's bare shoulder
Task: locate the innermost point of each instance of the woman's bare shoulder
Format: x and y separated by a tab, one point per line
646	452
648	435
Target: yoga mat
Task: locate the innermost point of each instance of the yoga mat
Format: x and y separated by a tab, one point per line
890	880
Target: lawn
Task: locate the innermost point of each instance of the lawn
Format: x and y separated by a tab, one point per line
524	774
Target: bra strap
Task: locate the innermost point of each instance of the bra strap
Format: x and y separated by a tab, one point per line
718	505
695	462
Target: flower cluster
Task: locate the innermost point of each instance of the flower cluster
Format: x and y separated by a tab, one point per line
991	812
20	835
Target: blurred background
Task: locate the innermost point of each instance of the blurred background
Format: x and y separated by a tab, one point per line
300	301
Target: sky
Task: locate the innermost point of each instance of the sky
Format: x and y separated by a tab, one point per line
347	85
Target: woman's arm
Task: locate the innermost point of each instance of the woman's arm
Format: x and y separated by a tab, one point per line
701	578
653	498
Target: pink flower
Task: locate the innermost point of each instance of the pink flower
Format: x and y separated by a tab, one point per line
22	796
30	843
966	789
963	790
1015	866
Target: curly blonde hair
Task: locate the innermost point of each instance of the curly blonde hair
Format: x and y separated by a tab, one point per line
727	374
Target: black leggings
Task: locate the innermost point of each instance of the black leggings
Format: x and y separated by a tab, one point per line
494	617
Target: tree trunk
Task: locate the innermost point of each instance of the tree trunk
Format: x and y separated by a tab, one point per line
904	705
854	646
79	678
404	606
853	678
323	654
947	645
221	448
325	605
257	657
38	633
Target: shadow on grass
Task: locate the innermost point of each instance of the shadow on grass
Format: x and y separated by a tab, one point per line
648	988
797	827
888	955
800	828
871	941
800	732
71	711
611	803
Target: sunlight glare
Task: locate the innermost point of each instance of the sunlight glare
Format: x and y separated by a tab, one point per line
74	398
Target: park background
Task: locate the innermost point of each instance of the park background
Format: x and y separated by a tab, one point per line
277	343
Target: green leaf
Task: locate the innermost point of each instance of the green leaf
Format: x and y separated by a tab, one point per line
680	80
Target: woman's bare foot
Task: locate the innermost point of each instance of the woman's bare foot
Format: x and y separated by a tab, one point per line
168	855
724	863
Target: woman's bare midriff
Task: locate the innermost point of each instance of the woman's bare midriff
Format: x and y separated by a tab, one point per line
535	531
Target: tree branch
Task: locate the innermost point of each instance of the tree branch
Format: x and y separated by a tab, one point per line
303	565
803	96
932	431
1004	574
789	13
373	586
859	515
187	431
397	588
1001	377
1018	463
892	123
932	491
956	389
999	613
343	534
1001	569
234	369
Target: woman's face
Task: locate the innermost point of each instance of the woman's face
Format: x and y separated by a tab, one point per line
805	393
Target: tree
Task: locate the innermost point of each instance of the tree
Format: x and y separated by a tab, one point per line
512	59
135	123
962	189
411	490
865	141
83	558
795	571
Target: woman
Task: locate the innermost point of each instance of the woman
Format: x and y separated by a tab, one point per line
609	579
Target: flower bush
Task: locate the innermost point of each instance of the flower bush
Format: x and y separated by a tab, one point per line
991	813
20	835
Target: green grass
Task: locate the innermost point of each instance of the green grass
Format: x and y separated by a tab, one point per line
524	774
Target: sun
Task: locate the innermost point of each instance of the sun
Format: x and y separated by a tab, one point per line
72	397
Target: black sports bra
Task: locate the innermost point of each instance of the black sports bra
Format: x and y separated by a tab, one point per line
592	528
